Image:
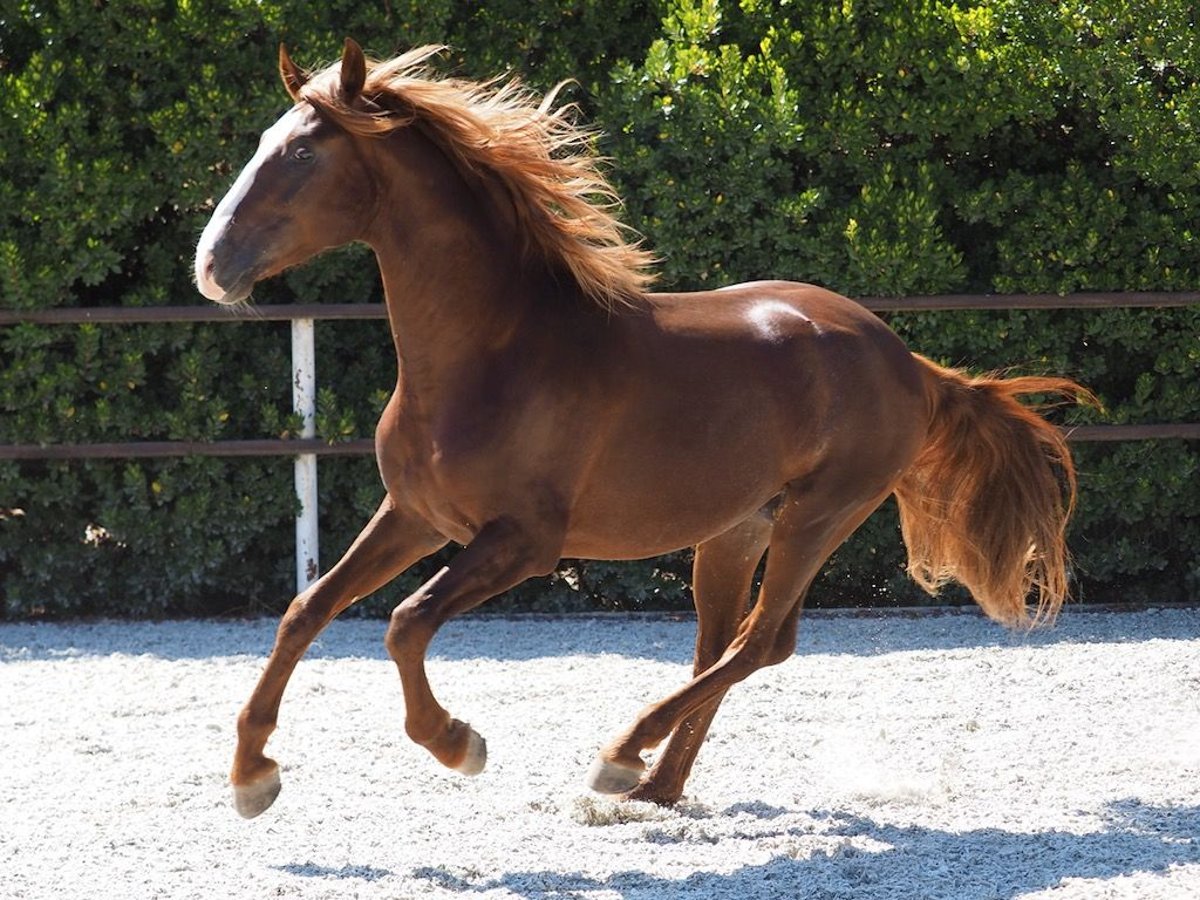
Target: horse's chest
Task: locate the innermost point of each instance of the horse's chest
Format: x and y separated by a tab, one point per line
454	470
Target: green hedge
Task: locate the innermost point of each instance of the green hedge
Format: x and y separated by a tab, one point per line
875	147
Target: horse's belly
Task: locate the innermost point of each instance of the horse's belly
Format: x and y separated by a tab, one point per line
655	506
639	537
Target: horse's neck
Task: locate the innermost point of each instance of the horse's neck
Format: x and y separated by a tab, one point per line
452	298
453	273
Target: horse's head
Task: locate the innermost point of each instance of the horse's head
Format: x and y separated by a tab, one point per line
305	190
480	173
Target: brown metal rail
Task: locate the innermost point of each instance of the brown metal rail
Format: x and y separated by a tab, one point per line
211	312
175	449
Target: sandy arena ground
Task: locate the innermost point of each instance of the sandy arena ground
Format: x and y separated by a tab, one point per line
891	757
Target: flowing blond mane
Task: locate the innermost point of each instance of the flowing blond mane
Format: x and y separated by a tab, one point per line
565	205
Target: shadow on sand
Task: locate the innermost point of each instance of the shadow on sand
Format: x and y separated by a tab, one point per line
915	862
344	873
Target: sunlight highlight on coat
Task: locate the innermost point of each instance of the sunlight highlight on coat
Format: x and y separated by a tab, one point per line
770	319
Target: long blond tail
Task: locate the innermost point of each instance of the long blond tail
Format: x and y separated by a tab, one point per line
986	502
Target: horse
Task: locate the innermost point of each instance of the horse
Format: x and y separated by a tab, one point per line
549	404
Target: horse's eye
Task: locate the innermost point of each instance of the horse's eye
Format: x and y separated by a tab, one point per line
302	154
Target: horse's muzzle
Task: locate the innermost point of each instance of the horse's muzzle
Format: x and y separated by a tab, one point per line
225	275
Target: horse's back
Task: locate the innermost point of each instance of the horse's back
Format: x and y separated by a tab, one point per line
770	312
790	334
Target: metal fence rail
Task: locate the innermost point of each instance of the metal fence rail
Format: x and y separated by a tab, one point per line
308	447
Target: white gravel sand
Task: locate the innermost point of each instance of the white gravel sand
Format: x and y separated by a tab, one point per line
929	757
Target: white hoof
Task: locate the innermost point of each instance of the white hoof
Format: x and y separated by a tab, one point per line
606	777
251	800
476	757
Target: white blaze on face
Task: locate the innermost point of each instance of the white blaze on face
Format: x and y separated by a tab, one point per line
269	146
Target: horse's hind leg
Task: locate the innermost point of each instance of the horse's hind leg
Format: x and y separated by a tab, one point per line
809	525
389	544
722	575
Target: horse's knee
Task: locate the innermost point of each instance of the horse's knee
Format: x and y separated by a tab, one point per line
410	624
302	619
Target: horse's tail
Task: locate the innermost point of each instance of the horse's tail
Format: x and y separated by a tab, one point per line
986	501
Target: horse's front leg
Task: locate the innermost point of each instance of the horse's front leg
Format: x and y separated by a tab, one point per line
501	555
391	542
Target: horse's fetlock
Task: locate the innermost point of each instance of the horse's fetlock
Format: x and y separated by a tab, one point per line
252	725
421	731
416	733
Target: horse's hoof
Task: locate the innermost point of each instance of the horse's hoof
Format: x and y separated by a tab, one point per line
253	799
476	757
607	777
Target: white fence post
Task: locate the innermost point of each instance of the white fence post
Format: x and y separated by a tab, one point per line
304	402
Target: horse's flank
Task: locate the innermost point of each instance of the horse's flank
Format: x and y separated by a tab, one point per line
563	202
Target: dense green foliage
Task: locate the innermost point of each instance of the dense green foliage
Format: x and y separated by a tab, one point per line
875	147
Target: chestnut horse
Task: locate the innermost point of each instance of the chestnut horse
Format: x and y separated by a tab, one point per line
547	405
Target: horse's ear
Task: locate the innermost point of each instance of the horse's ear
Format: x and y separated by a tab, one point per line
354	70
293	77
